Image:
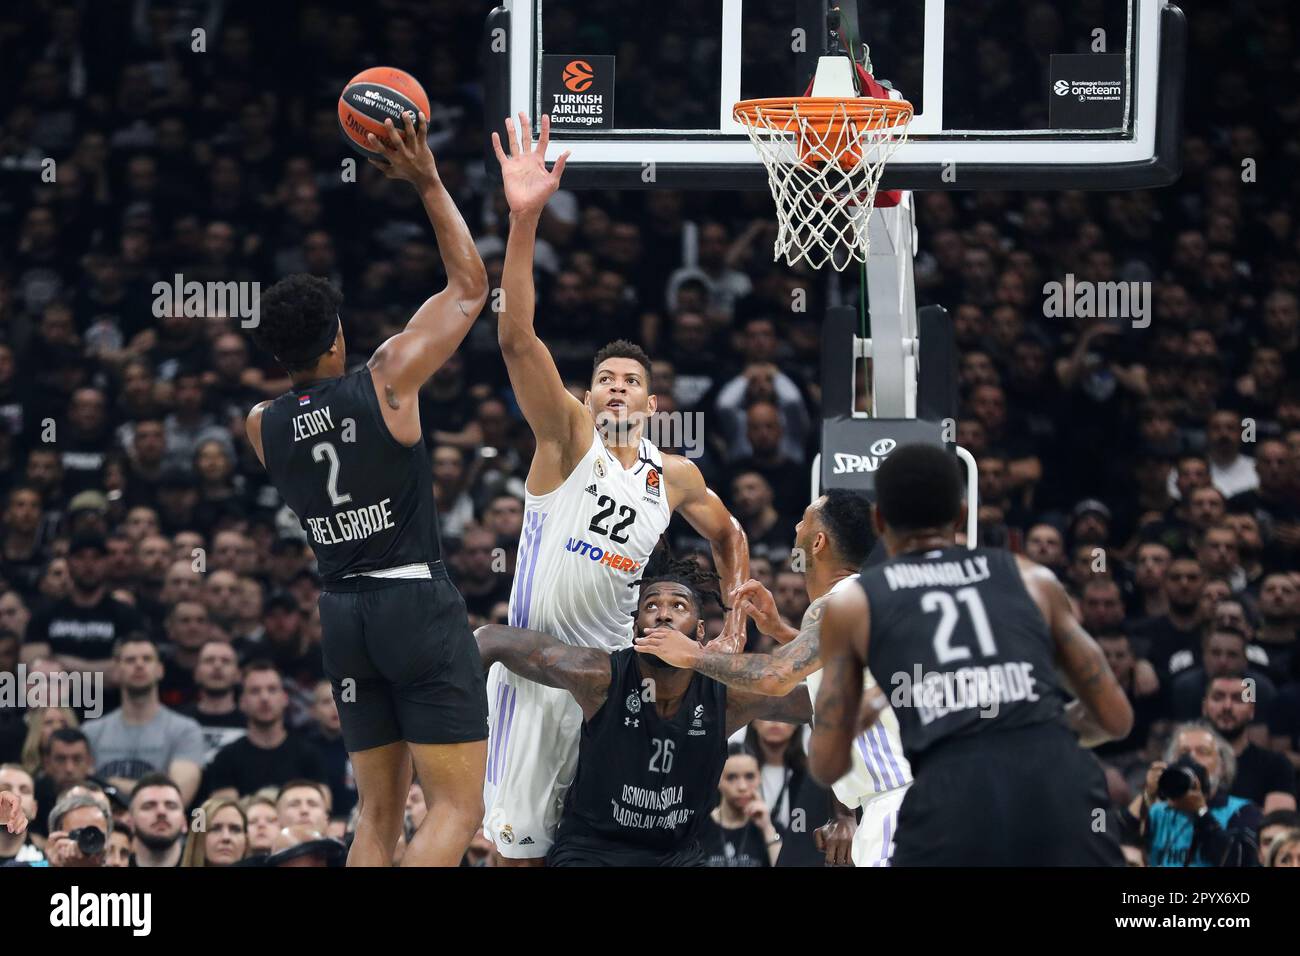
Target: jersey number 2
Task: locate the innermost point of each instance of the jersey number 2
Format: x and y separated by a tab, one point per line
321	452
943	602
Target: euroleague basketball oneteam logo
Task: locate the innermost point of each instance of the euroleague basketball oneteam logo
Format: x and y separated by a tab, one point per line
578	76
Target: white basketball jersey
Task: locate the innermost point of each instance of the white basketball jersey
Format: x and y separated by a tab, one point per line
584	544
878	762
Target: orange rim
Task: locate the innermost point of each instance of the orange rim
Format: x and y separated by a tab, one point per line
823	113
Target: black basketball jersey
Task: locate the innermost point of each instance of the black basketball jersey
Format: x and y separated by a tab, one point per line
364	499
643	781
958	645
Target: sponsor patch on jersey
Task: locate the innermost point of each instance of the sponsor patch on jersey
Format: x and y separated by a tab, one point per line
631	721
697	722
611	559
652	483
304	400
634	703
591	489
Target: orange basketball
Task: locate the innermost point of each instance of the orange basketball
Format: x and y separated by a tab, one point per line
374	95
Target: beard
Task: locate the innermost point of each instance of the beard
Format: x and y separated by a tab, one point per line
158	842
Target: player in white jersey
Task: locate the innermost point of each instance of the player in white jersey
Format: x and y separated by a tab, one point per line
598	497
834	537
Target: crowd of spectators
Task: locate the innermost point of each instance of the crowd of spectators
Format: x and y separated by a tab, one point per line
1156	470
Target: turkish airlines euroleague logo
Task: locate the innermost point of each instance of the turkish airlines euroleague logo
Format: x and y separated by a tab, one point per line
578	76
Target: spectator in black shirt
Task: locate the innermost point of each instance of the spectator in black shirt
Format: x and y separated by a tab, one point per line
80	630
186	628
1263	777
769	532
86	441
1275	503
1178	629
1279	623
789	479
739	831
216	675
480	571
23	551
1146	706
66	761
148	446
1223	652
269	755
295	651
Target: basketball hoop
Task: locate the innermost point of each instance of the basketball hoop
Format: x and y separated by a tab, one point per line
824	157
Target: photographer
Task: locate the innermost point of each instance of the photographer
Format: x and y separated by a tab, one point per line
79	828
1185	814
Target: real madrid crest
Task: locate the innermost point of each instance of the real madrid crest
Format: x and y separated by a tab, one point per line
600	468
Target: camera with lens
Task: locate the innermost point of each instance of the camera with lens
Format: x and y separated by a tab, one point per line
1177	779
90	840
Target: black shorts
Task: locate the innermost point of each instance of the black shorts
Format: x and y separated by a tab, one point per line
596	851
1025	797
403	662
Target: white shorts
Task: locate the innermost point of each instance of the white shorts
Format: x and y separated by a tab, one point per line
873	843
533	735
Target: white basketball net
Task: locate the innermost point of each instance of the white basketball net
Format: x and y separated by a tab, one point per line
824	170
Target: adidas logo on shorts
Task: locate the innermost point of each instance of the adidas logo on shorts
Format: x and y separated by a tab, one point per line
526	841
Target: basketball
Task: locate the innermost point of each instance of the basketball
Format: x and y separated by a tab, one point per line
374	95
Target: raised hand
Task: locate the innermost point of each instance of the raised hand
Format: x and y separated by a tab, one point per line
756	602
12	817
528	183
406	151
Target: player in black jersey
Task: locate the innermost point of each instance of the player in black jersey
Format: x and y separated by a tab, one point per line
346	452
654	737
966	643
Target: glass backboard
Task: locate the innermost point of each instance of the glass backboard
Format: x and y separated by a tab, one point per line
1009	94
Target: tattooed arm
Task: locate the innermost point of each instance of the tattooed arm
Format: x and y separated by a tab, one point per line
771	675
583	671
1104	712
845	632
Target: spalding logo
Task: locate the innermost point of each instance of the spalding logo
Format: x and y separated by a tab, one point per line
846	464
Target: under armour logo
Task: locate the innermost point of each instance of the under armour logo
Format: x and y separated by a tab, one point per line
631	721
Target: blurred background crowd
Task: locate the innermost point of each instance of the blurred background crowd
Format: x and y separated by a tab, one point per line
1155	470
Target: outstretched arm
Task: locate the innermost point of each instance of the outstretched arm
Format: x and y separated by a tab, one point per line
404	363
845	632
770	675
1081	661
583	671
555	416
793	708
706	513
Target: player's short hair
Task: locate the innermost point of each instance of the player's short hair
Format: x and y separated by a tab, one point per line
295	313
622	348
847	517
684	571
917	487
